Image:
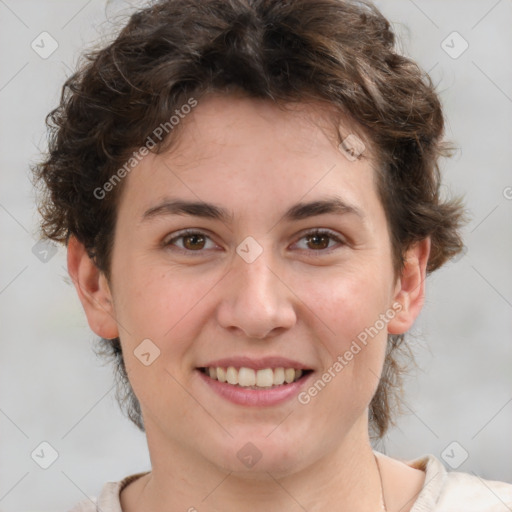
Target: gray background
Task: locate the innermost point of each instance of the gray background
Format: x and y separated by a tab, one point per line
54	389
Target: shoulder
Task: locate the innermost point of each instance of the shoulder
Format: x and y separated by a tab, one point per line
108	500
445	491
475	493
89	505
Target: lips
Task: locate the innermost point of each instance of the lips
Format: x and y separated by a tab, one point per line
255	381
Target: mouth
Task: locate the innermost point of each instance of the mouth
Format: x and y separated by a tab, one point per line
249	378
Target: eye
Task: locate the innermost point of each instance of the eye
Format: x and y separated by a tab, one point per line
191	241
320	240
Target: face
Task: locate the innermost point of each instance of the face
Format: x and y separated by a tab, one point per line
287	268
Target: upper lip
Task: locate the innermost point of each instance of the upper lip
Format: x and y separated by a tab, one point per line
256	363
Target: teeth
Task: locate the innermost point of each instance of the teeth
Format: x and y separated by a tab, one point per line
289	375
264	378
278	376
232	375
221	375
249	378
246	377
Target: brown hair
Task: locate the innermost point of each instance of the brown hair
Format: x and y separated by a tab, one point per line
340	52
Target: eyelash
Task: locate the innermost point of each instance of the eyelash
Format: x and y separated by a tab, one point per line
314	232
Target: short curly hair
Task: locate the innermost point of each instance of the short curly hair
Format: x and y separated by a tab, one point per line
339	52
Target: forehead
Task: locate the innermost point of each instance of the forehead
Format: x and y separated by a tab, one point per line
222	119
249	151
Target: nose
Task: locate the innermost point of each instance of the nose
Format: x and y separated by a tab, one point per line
256	301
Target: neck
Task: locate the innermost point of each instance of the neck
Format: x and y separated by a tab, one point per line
343	478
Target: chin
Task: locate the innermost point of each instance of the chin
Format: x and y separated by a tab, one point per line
253	457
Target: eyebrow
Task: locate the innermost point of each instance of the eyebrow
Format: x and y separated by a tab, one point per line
299	211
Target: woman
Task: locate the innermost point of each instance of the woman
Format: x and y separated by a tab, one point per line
249	195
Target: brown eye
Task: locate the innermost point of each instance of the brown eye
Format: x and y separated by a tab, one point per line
319	240
189	241
193	242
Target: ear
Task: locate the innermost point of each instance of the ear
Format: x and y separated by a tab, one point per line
93	290
410	287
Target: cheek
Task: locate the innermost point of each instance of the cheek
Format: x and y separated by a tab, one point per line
348	309
347	302
170	307
156	301
161	306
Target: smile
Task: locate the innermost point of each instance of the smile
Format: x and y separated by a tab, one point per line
254	379
261	387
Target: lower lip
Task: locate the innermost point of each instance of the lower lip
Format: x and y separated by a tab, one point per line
254	397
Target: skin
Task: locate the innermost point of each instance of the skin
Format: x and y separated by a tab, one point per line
307	300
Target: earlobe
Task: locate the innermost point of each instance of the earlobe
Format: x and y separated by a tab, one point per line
410	290
93	290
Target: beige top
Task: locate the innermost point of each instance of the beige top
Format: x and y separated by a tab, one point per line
442	492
